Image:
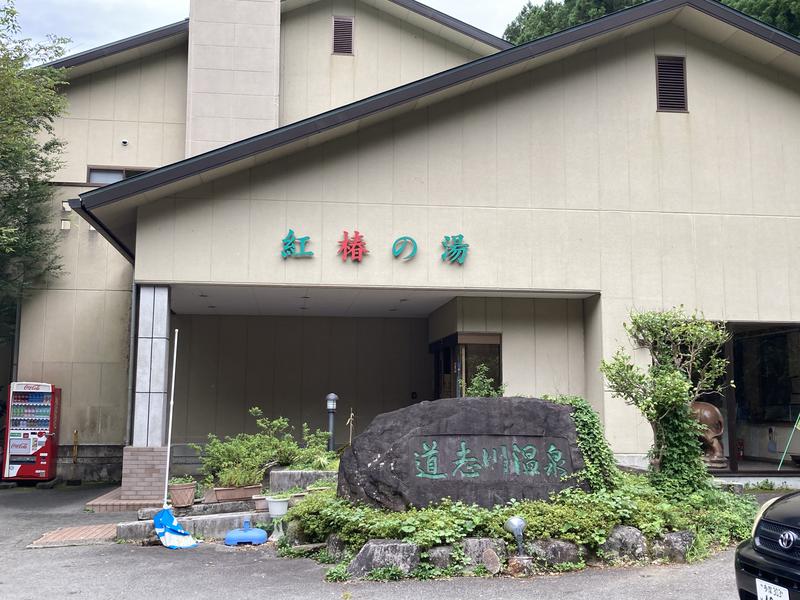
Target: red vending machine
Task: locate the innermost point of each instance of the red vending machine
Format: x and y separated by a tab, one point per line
31	444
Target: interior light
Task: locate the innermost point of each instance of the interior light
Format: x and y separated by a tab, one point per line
65	206
66	224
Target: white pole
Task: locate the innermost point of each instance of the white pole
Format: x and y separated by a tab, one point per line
171	404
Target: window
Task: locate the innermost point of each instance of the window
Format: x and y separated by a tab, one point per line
671	83
107	176
767	375
343	35
457	358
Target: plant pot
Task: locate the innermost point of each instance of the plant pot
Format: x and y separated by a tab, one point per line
277	507
182	494
232	494
261	502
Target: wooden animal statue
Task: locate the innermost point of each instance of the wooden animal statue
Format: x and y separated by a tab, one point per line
709	415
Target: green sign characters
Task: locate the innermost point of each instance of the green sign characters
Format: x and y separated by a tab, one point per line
289	249
400	245
428	462
455	249
481	457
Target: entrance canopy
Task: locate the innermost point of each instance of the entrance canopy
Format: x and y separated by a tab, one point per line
324	301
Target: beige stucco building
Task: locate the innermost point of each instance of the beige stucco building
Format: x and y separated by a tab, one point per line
640	161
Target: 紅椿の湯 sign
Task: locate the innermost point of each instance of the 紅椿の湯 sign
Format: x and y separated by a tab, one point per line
353	247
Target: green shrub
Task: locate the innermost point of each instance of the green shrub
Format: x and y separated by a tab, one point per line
240	476
686	364
240	457
338	573
483	386
600	470
718	518
385	574
181	479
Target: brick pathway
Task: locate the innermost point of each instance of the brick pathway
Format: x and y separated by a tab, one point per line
77	536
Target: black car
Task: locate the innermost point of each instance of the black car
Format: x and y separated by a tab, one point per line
768	564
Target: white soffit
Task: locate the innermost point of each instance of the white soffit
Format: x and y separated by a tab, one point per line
324	301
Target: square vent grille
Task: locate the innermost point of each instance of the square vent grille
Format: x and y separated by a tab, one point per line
671	83
342	35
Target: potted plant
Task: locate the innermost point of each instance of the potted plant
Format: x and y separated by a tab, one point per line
278	504
182	491
238	482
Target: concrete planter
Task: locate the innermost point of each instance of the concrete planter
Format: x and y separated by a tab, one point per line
260	502
281	480
232	494
182	494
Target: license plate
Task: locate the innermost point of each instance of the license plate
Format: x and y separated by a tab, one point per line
770	591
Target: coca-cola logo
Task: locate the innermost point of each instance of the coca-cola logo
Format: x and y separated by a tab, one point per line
32	388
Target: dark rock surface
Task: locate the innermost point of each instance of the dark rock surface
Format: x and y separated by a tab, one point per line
376	554
624	543
521	566
293	531
673	547
491	561
475	549
554	552
479	450
440	556
335	547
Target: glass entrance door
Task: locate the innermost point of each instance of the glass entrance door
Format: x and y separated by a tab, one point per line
457	358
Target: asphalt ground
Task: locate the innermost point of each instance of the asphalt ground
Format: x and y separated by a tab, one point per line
122	571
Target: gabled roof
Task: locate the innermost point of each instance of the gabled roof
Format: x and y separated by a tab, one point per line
136	46
112	209
430	13
149	42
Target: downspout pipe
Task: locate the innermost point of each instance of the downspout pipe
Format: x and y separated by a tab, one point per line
17	329
132	359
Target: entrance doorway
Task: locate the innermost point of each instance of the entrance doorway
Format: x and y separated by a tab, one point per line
765	403
457	358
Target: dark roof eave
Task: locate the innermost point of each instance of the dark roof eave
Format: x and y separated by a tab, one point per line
77	206
135	41
418	89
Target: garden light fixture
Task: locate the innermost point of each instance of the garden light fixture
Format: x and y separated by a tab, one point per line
516	526
331	400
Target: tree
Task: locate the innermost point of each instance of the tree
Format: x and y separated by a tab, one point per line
686	364
29	155
537	21
482	386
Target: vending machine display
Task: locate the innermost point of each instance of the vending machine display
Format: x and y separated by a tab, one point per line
31	444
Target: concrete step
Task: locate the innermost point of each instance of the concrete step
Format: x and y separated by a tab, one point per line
202	509
207	527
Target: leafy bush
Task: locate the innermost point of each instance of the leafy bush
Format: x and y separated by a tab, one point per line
483	386
246	456
600	469
686	364
338	573
181	479
390	573
240	476
718	518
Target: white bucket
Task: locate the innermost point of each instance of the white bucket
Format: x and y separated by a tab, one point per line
277	507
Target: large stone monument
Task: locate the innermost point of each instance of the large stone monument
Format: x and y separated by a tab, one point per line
479	450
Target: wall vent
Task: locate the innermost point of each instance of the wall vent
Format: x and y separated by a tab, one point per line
343	35
671	83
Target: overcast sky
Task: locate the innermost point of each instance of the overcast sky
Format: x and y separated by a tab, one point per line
91	23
